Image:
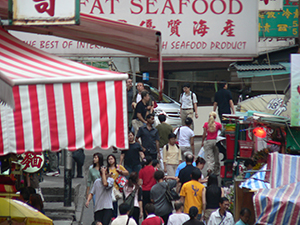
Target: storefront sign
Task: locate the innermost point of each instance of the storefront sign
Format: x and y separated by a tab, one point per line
32	162
270	44
270	5
279	24
295	89
44	12
189	27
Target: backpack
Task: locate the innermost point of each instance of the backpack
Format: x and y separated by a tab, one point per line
167	146
129	200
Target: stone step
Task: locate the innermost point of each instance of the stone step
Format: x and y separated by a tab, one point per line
54	191
56	198
57	211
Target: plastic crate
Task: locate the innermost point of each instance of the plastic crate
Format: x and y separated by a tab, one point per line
246	148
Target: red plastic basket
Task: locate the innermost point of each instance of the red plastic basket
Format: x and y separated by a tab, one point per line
246	148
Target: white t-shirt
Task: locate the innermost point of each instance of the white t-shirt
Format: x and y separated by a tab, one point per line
122	219
138	98
186	100
184	136
178	218
215	218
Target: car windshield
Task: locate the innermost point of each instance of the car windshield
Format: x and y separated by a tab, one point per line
155	94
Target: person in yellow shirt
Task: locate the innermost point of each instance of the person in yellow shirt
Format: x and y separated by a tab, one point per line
171	156
191	194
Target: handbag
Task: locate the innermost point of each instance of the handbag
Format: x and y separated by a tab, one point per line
118	195
129	200
171	194
121	181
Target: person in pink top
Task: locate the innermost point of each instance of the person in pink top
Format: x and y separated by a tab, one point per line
211	151
147	179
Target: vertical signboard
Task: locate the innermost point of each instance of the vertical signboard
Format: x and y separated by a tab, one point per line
44	12
295	89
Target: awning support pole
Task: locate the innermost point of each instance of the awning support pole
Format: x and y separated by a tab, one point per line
134	76
68	178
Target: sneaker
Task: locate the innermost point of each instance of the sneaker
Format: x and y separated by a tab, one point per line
52	174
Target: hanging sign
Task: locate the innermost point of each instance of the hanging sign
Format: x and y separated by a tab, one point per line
44	12
32	162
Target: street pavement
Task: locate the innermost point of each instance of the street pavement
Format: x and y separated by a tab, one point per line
85	215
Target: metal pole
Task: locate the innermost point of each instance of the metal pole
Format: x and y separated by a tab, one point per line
134	76
68	178
298	26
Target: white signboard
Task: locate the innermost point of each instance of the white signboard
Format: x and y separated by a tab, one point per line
270	5
271	44
40	12
66	47
216	28
295	89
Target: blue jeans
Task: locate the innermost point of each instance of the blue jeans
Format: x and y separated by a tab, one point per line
133	168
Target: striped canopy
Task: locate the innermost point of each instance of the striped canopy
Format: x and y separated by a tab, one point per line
59	104
278	205
256	181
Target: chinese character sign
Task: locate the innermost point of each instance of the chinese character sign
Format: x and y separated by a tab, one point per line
50	12
279	24
189	27
32	162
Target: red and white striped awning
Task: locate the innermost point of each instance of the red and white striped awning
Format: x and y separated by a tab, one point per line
59	104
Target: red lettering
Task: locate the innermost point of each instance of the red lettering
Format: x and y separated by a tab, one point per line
42	44
170	6
177	44
181	4
231	5
194	6
164	45
112	6
213	9
98	6
137	5
148	7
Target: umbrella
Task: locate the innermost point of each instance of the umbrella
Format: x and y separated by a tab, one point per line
21	213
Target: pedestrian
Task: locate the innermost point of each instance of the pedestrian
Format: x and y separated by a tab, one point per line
163	207
183	164
24	195
223	100
211	151
221	216
53	164
164	130
36	202
245	215
249	164
178	218
94	172
130	186
171	155
150	138
138	96
147	180
152	219
131	157
193	213
188	101
114	170
151	102
140	112
78	158
123	218
129	101
212	194
185	136
102	190
185	174
192	194
200	163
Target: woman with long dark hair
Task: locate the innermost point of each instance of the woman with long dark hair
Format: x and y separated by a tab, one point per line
211	151
147	180
94	171
130	186
114	170
193	213
212	194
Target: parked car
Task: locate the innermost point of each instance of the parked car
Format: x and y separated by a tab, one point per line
167	106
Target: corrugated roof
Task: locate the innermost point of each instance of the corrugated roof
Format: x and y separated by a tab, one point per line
255	67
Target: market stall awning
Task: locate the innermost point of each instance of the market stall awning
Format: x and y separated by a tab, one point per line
256	181
59	104
278	205
99	31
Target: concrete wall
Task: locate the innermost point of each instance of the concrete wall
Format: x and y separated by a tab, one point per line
203	112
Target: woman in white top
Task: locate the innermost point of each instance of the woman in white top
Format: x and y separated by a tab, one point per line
185	136
171	155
